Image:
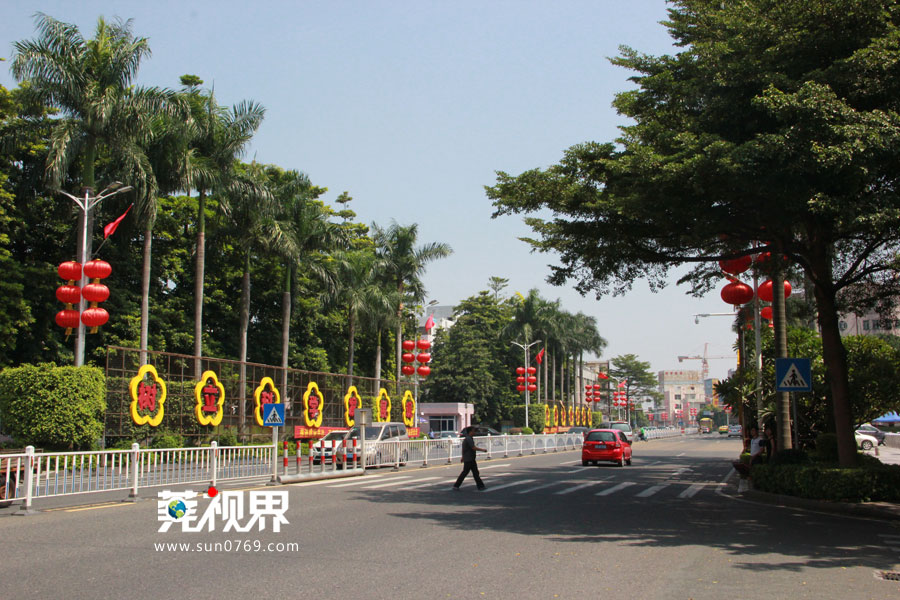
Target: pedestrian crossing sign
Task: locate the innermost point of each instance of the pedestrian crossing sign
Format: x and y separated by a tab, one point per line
273	415
793	375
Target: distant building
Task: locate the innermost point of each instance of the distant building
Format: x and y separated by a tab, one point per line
870	323
443	319
681	390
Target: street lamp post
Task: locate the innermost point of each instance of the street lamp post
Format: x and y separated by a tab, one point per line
85	205
525	347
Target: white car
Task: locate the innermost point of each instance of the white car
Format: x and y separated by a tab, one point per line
864	441
324	449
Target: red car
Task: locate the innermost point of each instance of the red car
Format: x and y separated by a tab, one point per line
606	444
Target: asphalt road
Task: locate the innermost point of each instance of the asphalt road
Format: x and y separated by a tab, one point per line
669	526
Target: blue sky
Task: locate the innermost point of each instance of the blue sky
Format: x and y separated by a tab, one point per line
411	107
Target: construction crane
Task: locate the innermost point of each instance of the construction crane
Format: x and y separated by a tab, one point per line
704	372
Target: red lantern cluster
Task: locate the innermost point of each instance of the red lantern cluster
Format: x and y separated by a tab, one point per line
69	294
408	357
95	293
526	379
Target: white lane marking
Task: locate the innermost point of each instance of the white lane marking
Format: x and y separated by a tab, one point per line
680	471
340	485
692	490
615	488
485	468
651	490
538	487
393	483
491	488
578	470
679	455
578	487
440	480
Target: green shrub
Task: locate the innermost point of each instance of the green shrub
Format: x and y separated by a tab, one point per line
228	438
856	484
791	456
827	447
535	416
167	439
527	431
57	408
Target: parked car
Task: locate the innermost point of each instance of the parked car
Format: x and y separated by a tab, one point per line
582	430
375	453
864	441
621	426
876	433
734	431
723	430
483	430
324	448
606	445
455	438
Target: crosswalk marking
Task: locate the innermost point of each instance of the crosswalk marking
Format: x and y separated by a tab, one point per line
365	481
537	487
492	488
615	488
651	490
431	483
578	487
393	483
692	490
485	468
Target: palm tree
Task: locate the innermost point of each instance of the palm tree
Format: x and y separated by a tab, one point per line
91	83
403	263
219	137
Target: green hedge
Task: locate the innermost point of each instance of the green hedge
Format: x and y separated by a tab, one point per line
57	408
535	416
866	483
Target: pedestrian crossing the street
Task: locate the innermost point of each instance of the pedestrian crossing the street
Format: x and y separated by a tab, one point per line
671	487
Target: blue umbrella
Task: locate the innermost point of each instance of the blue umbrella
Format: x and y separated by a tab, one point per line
888	419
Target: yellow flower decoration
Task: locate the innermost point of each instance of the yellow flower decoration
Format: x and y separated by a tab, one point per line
147	397
265	393
383	406
409	409
352	403
210	395
313	405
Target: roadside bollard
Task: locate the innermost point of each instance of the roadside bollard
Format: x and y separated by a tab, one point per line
285	462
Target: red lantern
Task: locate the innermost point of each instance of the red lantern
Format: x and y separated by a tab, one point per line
766	291
409	345
97	269
407	357
766	313
587	387
94	292
520	388
94	317
531	379
532	388
735	266
520	379
407	370
737	293
68	294
520	370
423	344
532	370
424	371
597	387
67	318
423	358
69	270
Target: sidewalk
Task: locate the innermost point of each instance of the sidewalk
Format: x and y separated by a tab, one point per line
886	511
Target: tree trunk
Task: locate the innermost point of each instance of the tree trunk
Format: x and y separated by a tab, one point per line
198	286
377	374
352	327
553	385
286	332
244	326
782	399
145	294
835	357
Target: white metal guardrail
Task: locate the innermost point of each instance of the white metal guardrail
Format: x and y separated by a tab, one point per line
28	475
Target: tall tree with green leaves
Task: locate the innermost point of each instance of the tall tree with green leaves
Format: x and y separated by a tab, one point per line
402	262
775	126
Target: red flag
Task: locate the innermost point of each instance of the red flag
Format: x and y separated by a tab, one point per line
429	324
540	356
111	228
602	376
624	381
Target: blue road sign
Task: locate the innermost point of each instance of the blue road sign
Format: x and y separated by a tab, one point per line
793	375
273	415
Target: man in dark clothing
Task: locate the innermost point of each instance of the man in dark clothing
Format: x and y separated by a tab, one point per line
468	460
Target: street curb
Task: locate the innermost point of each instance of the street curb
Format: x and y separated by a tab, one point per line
886	511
